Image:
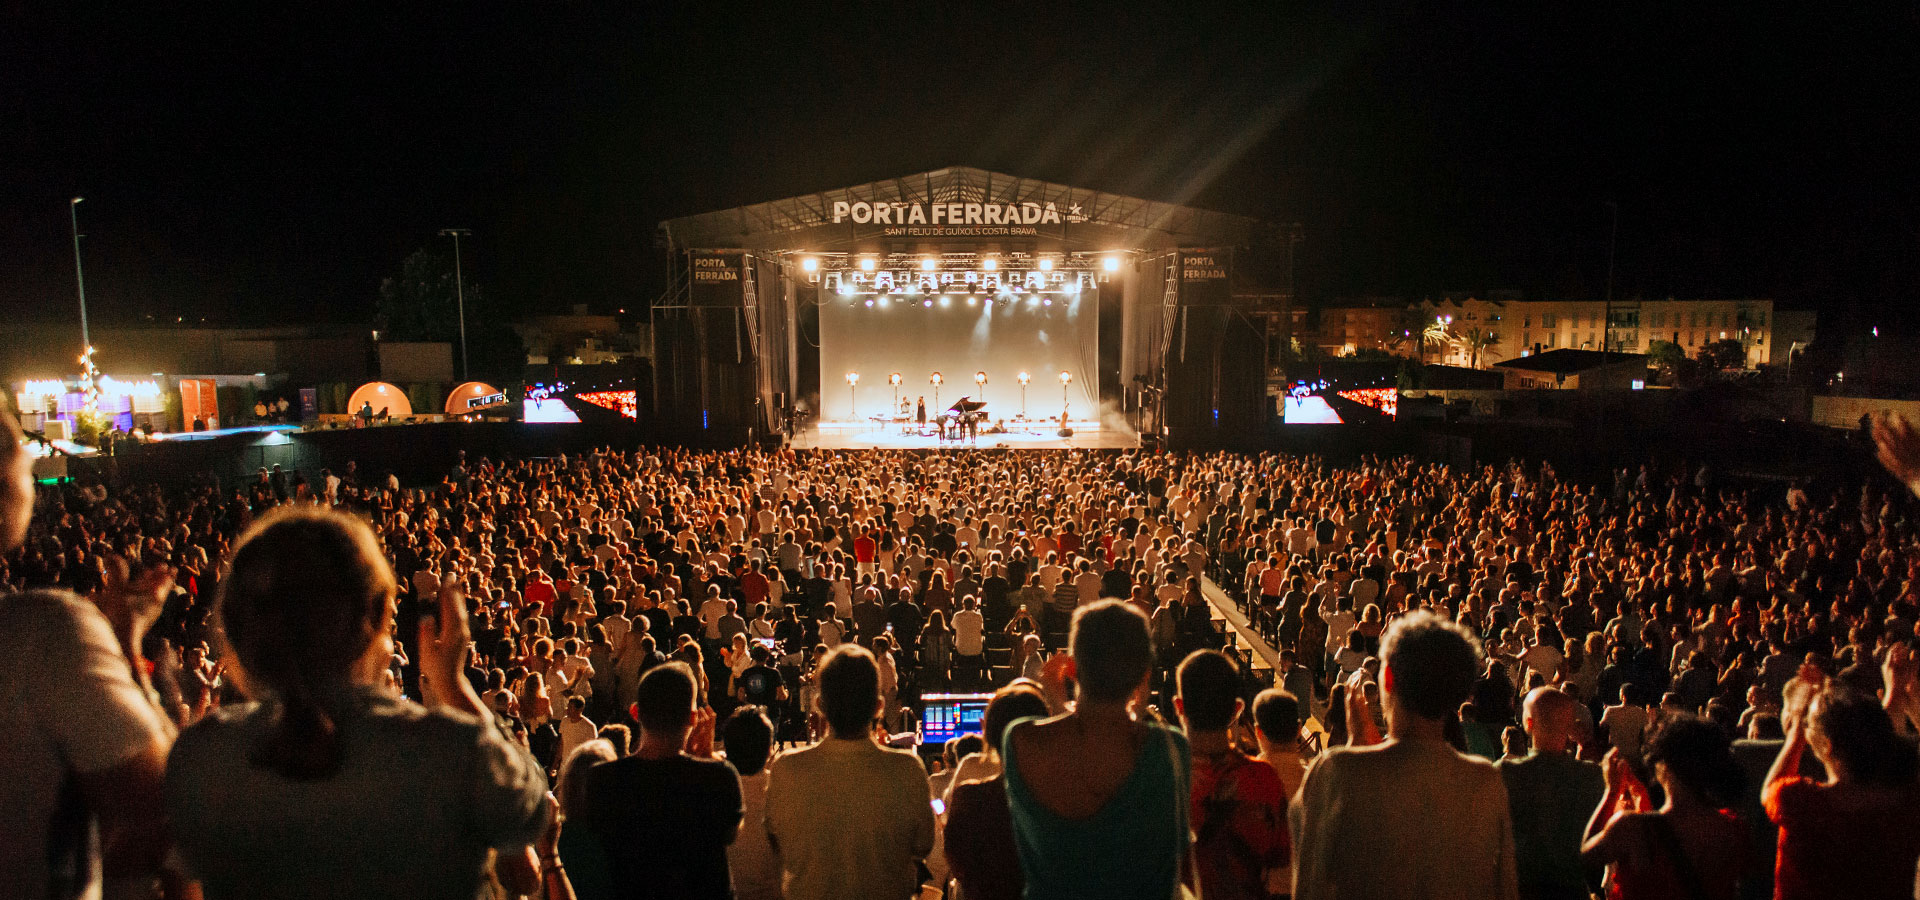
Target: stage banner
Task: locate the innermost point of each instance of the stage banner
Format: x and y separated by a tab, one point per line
309	404
1206	277
719	278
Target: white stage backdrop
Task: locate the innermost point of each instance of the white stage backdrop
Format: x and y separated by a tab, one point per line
957	339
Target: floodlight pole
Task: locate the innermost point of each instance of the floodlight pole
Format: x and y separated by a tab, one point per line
460	292
79	277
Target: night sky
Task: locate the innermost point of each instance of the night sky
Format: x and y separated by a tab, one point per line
256	166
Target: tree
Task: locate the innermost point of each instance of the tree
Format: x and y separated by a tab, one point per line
1726	353
423	303
1434	335
1474	340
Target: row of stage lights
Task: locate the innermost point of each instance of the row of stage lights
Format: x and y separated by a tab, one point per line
936	379
931	279
811	264
979	378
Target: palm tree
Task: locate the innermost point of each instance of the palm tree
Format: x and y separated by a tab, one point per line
1434	335
1475	340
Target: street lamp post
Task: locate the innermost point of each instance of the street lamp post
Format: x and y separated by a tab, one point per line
79	277
89	374
460	292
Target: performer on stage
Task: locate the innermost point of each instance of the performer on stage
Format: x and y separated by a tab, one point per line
921	413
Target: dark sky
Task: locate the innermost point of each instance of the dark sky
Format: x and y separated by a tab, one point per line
254	165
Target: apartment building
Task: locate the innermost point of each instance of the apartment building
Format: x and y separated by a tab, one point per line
1475	332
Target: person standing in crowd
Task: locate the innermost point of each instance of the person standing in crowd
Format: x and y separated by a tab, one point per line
75	711
1276	728
1551	794
979	833
847	817
1239	806
1688	847
666	814
334	786
1100	796
1857	833
748	736
969	644
1409	817
575	728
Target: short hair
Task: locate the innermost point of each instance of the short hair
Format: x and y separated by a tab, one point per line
748	737
1861	736
1209	690
1699	755
1112	650
619	736
576	702
849	689
1277	714
665	697
1433	661
1010	704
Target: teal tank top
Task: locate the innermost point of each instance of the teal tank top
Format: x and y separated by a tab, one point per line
1130	848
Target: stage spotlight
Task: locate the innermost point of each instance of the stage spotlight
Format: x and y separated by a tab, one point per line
1066	377
928	303
1047	302
926	265
1046	264
846	288
935	379
1111	263
1023	378
894	379
946	301
990	263
980	378
866	265
809	264
853	377
869	302
972	300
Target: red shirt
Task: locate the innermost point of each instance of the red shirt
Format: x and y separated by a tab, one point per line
863	548
1843	843
542	593
1240	820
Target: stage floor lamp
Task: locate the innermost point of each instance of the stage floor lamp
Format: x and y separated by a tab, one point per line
1024	380
853	408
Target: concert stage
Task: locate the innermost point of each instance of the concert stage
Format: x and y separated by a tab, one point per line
1088	435
966	284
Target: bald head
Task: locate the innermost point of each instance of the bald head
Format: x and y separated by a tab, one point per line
1549	716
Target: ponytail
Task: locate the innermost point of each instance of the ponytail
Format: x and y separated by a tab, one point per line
304	742
308	594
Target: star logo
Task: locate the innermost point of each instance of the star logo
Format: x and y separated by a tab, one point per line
1074	209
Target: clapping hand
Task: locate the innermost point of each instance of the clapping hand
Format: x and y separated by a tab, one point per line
1899	447
132	602
445	639
1361	729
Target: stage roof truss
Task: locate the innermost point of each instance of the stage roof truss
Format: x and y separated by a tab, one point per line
767	224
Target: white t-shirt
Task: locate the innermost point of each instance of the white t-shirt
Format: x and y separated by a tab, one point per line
969	633
68	704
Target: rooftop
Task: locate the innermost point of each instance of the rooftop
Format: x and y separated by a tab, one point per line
1567	361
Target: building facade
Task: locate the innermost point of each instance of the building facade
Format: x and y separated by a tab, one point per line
1478	333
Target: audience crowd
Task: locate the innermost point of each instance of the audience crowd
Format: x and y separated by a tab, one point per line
1219	675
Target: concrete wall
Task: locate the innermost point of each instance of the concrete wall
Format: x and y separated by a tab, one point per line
1845	412
424	361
